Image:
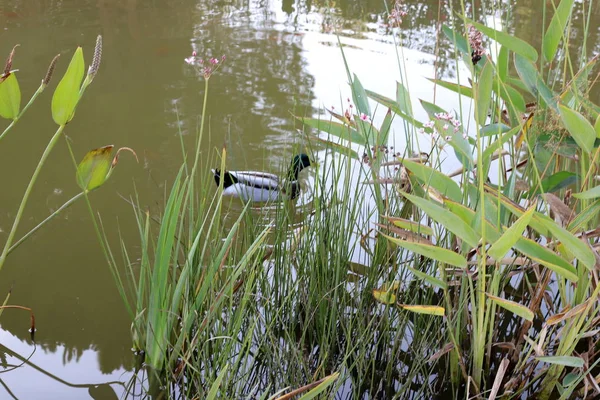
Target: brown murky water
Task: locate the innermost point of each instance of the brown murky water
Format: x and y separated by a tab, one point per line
282	58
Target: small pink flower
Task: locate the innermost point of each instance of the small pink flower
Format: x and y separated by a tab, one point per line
194	54
446	126
429	124
364	117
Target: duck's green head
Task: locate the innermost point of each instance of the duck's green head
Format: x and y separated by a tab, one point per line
299	162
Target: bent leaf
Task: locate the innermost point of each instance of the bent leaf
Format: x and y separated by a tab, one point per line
93	170
513	307
513	43
534	82
581	250
325	383
430	310
579	127
547	258
66	95
10	97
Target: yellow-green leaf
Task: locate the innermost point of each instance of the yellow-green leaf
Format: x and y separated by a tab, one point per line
10	97
66	95
325	383
588	194
430	251
510	237
430	310
556	29
428	278
597	127
434	178
579	127
411	226
513	307
547	258
386	294
93	170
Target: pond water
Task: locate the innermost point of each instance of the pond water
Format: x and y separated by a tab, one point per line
282	59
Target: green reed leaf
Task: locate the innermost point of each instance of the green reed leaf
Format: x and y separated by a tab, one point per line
579	127
484	92
511	42
429	310
403	99
556	29
433	281
567	361
533	81
502	64
430	251
597	127
10	97
214	389
459	41
325	383
448	219
436	179
93	170
513	307
510	237
547	258
336	129
360	97
66	95
455	87
588	194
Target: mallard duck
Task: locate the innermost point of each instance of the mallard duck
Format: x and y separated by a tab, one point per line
262	186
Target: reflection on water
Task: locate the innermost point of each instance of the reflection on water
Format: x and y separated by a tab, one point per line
282	60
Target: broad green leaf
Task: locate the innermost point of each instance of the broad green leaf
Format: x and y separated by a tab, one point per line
547	258
403	99
430	251
494	129
93	170
574	244
335	129
510	237
411	226
430	310
448	219
588	194
492	195
534	82
436	179
66	95
386	126
579	127
513	307
597	127
368	131
556	29
512	98
484	92
567	361
214	389
558	181
511	42
581	220
428	278
360	97
502	63
325	383
455	87
10	97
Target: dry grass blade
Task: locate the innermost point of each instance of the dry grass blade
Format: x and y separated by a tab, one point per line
499	376
444	350
302	389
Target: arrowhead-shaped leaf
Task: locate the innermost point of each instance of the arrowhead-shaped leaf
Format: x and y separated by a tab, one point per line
93	170
10	97
66	95
579	127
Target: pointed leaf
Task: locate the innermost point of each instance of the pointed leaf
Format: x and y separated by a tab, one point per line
502	63
386	294
386	126
10	97
403	99
430	310
484	92
579	127
567	361
510	237
556	29
588	194
93	170
459	41
214	389
435	179
66	95
581	250
335	129
392	105
449	220
534	82
325	383
455	87
428	278
597	127
411	226
547	258
360	97
430	251
513	307
511	42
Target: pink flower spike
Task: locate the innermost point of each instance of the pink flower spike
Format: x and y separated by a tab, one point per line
194	54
